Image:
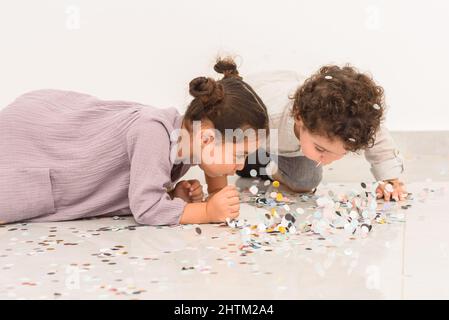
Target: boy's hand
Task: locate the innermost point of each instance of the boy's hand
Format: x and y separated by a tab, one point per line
223	204
391	189
189	191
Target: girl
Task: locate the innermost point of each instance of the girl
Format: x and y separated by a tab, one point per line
319	120
67	155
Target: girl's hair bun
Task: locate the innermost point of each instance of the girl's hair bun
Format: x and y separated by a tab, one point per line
227	67
207	90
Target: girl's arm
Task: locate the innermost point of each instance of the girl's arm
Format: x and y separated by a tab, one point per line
194	213
223	204
197	212
215	184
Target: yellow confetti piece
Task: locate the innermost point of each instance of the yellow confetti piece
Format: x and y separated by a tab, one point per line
273	212
276	184
282	229
279	197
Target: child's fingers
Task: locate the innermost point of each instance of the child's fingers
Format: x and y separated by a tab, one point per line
387	195
395	195
196	189
379	192
194	184
232	193
197	195
185	184
234	200
235	208
402	191
403	194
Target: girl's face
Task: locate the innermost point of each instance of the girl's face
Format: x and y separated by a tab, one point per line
216	156
225	158
318	148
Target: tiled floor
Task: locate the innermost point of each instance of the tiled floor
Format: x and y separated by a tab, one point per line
115	259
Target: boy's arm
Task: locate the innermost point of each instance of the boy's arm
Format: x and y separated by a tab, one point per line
384	157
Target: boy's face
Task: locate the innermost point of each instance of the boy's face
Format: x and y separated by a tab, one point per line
318	148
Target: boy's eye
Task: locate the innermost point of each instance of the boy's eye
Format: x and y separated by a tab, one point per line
319	150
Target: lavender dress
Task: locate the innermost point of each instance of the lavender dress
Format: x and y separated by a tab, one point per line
66	155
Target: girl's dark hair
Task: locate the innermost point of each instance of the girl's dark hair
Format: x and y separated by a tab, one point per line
229	103
341	103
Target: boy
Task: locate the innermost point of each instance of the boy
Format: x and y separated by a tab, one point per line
320	120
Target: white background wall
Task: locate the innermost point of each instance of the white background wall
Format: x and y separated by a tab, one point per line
148	51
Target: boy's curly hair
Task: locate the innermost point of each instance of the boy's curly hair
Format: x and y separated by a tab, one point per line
341	103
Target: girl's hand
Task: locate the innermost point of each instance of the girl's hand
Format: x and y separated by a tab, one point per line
391	189
223	204
189	190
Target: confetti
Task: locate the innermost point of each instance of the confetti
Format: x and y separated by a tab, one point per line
261	227
253	173
328	77
290	217
276	184
254	190
109	252
366	228
279	197
376	106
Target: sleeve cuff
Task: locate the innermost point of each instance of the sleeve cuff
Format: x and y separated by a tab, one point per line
171	211
389	169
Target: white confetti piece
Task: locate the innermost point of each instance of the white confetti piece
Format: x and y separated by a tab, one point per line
254	190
